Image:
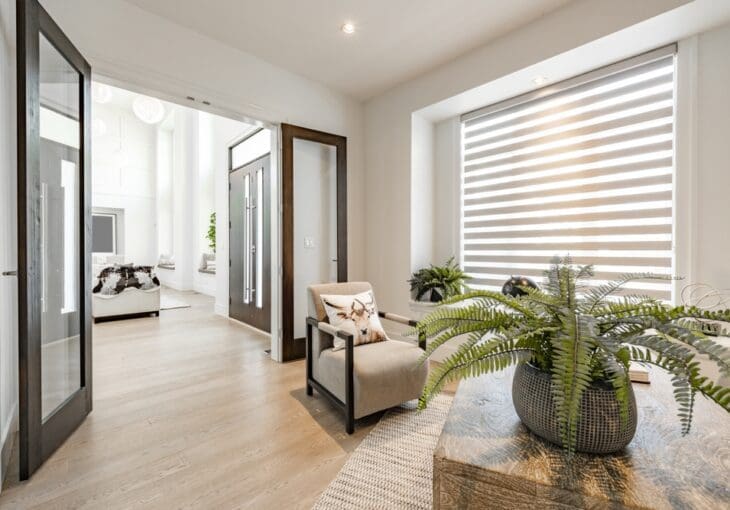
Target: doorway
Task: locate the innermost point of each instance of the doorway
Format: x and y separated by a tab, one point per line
250	233
314	223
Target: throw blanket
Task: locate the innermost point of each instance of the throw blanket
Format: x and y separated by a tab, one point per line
114	279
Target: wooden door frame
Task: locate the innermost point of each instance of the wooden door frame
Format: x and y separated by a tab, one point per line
291	349
34	444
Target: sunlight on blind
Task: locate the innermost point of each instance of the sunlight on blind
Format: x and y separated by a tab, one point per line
586	171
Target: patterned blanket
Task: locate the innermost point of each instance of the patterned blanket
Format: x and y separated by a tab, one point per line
113	280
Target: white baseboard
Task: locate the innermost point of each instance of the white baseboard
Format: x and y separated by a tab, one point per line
221	310
7	439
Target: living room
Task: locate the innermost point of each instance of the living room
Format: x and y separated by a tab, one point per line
424	347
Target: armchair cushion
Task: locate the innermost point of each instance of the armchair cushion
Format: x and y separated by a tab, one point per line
357	314
386	374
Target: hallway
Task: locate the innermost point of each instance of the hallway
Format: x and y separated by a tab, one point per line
190	412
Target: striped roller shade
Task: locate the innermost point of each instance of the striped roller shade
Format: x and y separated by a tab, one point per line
584	168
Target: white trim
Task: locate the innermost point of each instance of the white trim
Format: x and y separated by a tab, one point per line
685	164
7	436
221	310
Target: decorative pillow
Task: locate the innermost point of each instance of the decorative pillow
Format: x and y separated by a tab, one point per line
357	315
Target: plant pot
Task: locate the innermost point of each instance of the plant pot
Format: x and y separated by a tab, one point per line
600	428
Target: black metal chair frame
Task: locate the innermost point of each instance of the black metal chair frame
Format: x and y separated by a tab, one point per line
348	406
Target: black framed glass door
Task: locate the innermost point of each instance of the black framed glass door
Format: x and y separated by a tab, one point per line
54	241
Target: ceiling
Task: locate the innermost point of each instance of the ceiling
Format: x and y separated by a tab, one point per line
394	41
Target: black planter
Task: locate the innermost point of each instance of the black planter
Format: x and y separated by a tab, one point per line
600	428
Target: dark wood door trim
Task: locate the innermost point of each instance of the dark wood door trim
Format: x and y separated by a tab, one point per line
38	438
295	348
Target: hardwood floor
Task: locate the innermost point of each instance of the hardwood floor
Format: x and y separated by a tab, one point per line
190	412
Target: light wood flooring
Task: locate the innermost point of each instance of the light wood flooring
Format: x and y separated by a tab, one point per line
190	412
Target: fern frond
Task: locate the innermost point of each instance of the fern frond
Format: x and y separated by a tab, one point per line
476	364
571	376
597	295
703	345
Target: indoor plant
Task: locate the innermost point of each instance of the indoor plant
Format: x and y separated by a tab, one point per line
210	236
438	282
578	338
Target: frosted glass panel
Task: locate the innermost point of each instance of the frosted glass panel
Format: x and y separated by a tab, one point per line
259	238
315	222
60	221
252	148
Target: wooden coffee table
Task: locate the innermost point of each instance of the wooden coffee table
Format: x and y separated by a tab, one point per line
486	458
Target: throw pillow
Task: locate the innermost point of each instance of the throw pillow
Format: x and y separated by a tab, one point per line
357	314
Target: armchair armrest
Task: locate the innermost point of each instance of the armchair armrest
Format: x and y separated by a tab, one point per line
406	321
349	339
398	318
328	328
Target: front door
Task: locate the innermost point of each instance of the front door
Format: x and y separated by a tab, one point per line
54	241
249	244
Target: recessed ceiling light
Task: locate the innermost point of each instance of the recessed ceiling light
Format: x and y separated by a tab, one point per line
539	80
348	28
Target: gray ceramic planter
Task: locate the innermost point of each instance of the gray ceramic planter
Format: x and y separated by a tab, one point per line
600	428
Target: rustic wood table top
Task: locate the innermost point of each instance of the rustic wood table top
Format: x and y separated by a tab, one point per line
483	439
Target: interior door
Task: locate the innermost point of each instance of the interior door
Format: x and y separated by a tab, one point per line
314	223
250	243
54	236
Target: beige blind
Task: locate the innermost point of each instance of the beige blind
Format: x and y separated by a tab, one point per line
584	168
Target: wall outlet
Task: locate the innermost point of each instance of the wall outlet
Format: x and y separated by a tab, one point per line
309	242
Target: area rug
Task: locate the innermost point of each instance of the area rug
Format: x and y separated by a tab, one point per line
393	466
169	302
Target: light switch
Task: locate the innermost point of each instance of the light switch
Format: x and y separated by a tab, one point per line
309	242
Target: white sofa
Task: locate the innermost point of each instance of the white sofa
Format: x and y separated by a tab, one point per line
130	302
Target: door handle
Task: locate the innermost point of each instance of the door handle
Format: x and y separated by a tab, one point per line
10	273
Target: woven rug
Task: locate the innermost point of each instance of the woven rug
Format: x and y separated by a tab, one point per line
393	466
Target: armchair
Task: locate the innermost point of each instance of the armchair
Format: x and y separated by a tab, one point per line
362	379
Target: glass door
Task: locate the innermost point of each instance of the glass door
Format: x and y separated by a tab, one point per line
53	236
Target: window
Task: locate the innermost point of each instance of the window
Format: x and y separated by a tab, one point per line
104	233
584	167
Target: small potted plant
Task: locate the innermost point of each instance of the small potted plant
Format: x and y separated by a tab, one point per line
572	344
210	236
437	283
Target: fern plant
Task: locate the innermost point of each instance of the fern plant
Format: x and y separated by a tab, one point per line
579	334
443	282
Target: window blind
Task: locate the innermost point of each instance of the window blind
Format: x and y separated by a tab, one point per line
584	168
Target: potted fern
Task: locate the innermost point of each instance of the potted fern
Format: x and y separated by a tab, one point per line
572	345
436	283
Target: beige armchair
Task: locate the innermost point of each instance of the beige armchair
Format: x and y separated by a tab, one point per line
362	379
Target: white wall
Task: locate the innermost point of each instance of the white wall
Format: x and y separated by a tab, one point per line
129	45
163	187
124	163
204	201
422	192
447	183
389	118
315	222
711	258
8	236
